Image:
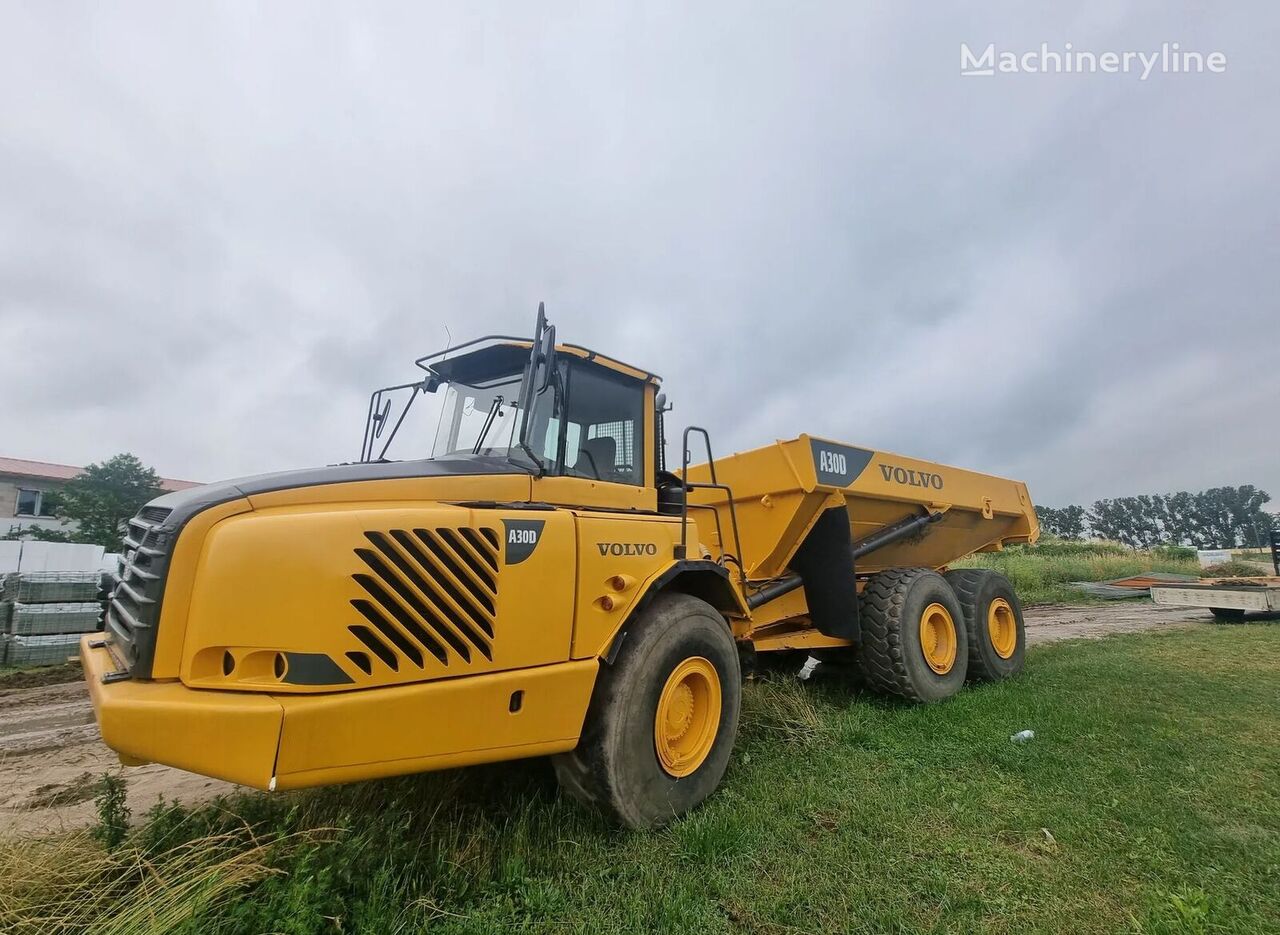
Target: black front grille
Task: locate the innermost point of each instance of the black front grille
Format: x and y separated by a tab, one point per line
134	608
153	514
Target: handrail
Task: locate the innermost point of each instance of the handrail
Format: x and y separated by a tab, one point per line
375	399
714	485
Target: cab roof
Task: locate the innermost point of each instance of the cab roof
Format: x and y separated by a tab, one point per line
505	354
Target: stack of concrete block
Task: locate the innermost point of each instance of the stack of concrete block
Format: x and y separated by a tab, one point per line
43	614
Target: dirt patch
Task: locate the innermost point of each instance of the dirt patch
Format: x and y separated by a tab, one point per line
59	794
43	675
51	757
1049	622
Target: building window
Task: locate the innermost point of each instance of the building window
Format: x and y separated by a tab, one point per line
29	502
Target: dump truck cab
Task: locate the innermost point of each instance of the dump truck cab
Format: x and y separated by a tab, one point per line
533	580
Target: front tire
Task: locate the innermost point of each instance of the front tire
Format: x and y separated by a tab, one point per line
914	643
663	717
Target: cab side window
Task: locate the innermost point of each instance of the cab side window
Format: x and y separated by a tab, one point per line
604	429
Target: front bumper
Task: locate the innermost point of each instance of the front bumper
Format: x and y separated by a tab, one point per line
291	741
228	735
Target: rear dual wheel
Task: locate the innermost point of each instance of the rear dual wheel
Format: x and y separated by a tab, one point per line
993	617
923	634
914	641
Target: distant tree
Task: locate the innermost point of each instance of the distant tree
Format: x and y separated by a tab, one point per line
1067	522
1109	520
102	496
1179	518
1221	517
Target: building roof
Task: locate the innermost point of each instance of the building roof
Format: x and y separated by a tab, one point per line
45	470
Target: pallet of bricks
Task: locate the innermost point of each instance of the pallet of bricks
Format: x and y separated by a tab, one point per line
44	613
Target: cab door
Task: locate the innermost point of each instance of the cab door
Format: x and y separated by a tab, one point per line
598	447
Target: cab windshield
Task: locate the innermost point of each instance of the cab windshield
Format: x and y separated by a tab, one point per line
481	419
586	422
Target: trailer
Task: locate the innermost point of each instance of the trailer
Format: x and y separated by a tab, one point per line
541	584
1228	598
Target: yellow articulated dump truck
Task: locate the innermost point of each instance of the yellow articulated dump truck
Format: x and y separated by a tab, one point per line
542	584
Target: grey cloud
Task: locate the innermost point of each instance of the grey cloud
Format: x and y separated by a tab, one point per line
220	229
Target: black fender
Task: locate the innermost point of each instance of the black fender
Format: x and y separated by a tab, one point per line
699	578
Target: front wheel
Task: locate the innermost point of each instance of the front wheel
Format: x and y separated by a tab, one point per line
663	717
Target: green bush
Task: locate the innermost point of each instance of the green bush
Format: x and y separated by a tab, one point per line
1042	573
112	806
1181	553
1232	569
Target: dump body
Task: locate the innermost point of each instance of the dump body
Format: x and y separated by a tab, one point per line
779	491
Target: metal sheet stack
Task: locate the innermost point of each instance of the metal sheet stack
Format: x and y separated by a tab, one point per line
43	614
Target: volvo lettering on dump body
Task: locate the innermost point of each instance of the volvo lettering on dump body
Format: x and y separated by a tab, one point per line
911	478
541	581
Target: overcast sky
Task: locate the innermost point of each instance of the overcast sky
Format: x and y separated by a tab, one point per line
219	230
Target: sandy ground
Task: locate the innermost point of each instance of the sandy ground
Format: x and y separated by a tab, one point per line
51	757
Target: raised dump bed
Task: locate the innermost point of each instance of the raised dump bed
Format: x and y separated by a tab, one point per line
780	491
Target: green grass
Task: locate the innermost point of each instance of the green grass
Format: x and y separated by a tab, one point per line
35	676
1148	802
1042	573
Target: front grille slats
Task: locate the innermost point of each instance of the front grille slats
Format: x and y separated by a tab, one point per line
155	514
478	586
133	609
432	590
134	595
376	646
483	545
137	546
415	605
450	586
473	560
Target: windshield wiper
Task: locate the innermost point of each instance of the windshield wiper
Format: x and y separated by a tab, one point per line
488	423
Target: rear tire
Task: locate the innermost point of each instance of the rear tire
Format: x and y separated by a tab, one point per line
663	718
914	643
993	617
1227	615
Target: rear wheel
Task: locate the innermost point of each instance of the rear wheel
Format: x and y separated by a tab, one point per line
914	643
663	717
1227	615
993	617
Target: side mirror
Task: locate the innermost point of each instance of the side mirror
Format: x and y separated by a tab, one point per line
380	419
547	356
431	383
542	354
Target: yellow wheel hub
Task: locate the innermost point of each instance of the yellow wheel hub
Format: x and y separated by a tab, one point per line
688	716
938	638
1002	627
